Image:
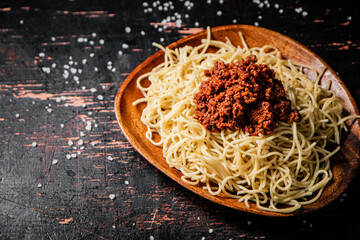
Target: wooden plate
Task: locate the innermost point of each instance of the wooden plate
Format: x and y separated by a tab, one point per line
344	163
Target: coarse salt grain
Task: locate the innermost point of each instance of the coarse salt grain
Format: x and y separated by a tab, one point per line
17	115
39	185
93	90
128	29
101	41
46	69
211	230
62	125
219	13
73	155
125	46
34	144
298	10
100	97
152	238
142	33
126	182
42	54
68	156
92	54
70	143
80	142
110	158
112	196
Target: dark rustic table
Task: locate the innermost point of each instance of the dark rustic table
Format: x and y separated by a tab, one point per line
67	171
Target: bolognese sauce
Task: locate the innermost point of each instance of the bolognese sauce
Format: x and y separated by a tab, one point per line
243	95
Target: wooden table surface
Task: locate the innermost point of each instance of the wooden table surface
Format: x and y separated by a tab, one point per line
62	154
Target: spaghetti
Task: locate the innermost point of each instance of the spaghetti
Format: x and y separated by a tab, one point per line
280	172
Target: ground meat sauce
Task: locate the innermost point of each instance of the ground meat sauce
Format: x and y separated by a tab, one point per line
243	95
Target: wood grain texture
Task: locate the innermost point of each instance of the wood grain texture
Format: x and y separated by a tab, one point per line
40	105
344	165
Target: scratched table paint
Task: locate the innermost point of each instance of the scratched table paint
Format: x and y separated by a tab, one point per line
67	171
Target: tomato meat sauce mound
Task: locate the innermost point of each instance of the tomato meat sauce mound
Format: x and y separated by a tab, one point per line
243	95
